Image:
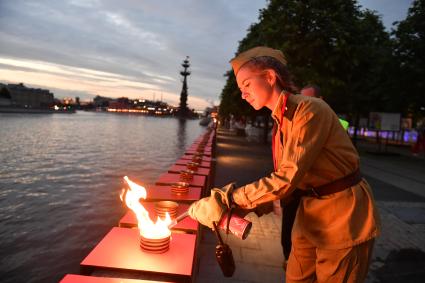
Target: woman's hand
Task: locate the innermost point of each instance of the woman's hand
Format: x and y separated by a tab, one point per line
209	209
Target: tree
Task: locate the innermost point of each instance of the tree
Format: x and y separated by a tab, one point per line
410	52
4	92
331	43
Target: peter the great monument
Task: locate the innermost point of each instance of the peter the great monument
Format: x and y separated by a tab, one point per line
184	111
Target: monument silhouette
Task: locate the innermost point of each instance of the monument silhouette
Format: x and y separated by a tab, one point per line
184	111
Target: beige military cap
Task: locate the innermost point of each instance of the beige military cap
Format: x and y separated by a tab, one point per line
255	52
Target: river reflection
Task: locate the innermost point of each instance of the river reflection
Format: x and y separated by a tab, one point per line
181	133
60	178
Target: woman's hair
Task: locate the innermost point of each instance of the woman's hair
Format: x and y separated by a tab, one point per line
284	77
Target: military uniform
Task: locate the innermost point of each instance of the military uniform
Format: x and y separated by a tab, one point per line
311	149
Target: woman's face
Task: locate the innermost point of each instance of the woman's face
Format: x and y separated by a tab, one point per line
254	87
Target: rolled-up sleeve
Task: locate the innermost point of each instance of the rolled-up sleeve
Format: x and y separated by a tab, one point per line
305	138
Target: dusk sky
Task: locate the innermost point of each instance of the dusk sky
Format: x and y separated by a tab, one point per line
132	48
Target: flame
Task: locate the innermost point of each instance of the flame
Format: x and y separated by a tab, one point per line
147	228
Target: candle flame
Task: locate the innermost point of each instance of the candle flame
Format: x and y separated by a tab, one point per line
147	228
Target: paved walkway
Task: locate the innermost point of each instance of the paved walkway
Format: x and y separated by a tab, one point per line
398	182
259	257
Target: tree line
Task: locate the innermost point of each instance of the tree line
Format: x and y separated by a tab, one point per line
346	51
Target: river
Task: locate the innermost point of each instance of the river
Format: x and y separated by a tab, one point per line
60	179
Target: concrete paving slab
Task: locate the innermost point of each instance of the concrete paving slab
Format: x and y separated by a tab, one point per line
387	192
411	215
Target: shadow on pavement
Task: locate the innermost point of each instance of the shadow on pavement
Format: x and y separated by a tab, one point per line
406	265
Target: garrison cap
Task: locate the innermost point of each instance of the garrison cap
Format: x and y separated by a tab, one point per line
255	52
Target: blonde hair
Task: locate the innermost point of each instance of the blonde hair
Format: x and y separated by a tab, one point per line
284	77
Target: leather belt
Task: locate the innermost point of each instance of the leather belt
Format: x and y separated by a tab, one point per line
334	186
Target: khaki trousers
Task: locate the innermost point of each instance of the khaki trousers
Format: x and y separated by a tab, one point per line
312	264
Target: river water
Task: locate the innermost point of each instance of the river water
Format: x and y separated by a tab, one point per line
60	179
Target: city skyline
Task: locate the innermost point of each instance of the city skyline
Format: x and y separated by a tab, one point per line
132	48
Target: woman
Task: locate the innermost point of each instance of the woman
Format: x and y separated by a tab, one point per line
316	164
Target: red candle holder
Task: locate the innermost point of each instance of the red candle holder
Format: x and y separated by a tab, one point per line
162	207
180	188
197	158
192	166
155	246
200	148
186	175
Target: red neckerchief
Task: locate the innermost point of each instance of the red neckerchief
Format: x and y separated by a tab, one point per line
282	112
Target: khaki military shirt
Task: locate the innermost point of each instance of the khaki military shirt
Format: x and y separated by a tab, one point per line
313	149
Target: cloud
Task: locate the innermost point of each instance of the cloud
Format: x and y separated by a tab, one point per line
66	78
117	48
132	47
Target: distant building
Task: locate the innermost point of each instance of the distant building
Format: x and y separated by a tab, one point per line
5	98
141	106
118	104
102	102
18	95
